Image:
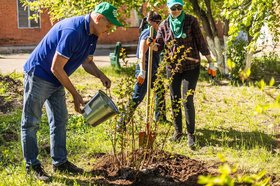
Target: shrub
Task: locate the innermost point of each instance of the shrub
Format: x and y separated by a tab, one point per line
266	67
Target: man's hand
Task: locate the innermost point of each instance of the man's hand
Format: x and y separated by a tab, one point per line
141	77
78	101
105	81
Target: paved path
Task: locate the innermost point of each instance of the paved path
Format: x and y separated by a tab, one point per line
14	62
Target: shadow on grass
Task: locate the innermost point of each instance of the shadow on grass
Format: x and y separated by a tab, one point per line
77	181
235	139
95	177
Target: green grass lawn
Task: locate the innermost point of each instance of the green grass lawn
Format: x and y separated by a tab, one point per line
227	123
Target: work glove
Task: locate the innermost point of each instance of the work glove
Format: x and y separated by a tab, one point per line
141	77
212	70
151	41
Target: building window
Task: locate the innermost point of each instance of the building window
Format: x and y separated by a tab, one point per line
23	17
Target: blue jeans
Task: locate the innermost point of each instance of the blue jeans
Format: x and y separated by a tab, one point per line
37	92
140	91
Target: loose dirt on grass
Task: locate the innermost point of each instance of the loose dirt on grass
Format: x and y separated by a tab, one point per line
160	168
11	95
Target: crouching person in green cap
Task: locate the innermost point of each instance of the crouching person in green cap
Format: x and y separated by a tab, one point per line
69	44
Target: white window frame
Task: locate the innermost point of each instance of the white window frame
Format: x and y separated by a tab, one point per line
29	21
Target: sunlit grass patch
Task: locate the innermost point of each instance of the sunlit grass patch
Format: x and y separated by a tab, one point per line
226	122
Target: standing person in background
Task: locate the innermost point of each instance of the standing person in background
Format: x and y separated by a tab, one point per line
140	87
183	29
143	25
69	44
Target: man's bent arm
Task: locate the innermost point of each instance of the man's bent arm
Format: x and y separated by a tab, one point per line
57	69
92	69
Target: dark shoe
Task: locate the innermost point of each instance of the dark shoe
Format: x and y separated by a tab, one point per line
177	136
39	173
191	140
68	167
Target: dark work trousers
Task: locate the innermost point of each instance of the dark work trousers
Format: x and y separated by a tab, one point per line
189	80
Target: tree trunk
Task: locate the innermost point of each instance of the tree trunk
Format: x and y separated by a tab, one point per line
226	29
211	45
248	61
216	49
203	17
249	54
210	29
225	54
220	55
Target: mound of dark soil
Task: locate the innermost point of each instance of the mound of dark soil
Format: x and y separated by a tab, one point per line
11	95
159	168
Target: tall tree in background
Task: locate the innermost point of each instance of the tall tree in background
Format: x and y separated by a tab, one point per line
236	16
250	16
209	13
59	9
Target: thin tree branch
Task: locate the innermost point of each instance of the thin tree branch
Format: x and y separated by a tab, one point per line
203	17
210	17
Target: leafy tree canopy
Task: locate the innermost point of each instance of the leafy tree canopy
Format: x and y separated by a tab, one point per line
250	16
59	9
243	14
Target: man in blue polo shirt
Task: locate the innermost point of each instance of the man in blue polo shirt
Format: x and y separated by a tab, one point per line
69	44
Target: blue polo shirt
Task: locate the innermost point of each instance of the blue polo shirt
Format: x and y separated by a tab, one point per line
71	39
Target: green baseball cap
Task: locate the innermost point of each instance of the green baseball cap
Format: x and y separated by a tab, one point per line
109	11
170	3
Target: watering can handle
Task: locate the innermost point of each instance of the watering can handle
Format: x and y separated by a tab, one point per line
108	92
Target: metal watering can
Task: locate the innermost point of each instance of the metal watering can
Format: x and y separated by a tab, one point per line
99	109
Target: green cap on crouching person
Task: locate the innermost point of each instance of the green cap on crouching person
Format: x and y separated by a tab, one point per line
109	11
171	3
